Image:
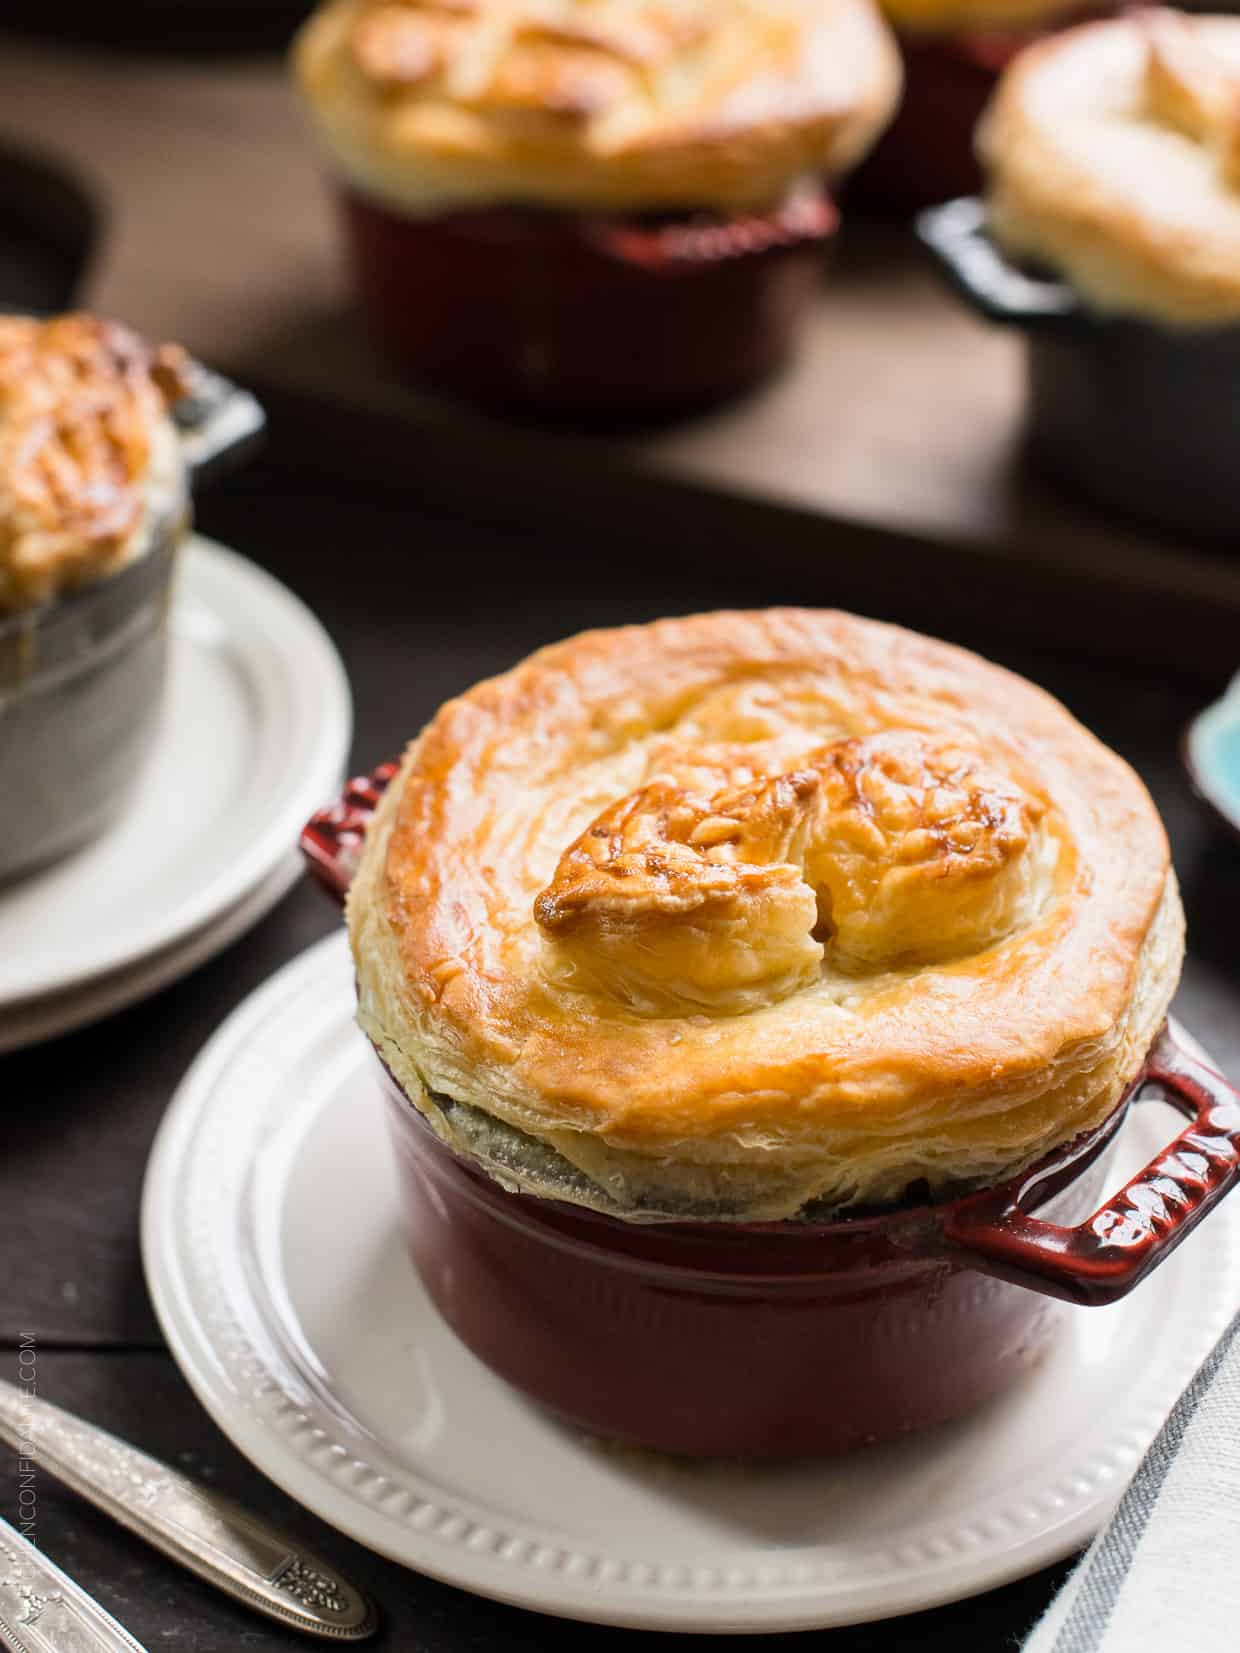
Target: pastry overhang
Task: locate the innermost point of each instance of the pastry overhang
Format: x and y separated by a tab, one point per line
754	914
85	439
594	104
1112	153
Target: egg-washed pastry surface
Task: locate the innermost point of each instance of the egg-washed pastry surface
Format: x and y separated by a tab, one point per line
84	431
936	17
756	914
609	104
1113	155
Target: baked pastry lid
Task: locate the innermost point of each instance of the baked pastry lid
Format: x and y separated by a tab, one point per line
733	131
848	1088
1112	156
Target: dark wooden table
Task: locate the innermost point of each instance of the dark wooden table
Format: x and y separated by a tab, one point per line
420	606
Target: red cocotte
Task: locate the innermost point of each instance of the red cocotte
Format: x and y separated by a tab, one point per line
781	1339
605	208
564	311
926	155
720	1340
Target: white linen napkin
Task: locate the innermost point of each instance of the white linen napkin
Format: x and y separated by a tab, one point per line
1166	1572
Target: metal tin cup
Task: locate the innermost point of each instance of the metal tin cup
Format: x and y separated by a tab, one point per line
1136	415
82	677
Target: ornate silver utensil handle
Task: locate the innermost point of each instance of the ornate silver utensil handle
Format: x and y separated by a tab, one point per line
43	1611
206	1532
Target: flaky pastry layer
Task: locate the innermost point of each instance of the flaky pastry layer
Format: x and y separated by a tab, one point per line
594	104
749	914
1113	155
85	441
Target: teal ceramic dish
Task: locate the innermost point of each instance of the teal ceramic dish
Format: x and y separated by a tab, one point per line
1212	757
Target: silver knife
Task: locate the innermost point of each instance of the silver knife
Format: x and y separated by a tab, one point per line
214	1537
43	1611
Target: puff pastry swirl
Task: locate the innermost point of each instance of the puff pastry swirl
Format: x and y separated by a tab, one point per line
594	104
85	439
1113	155
749	914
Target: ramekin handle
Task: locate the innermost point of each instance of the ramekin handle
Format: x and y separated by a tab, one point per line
1104	1257
331	840
219	424
956	235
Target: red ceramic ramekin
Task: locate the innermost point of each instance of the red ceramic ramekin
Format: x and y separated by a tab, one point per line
926	155
765	1340
564	312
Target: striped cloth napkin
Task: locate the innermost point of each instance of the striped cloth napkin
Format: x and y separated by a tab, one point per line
1166	1572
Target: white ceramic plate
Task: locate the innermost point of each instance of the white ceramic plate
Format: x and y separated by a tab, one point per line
275	1261
254	738
46	1018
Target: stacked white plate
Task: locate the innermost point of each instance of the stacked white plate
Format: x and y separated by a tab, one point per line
254	738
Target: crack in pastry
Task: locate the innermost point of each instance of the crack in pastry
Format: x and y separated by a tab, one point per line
83	410
892	850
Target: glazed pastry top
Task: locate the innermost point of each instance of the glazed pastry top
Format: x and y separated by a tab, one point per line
608	104
83	427
1113	155
695	891
747	911
937	17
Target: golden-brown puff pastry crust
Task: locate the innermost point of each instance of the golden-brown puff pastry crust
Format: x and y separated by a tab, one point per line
742	912
890	849
83	404
937	17
610	104
1113	155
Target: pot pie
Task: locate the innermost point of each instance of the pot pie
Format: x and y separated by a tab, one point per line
1113	155
94	503
591	202
754	916
89	456
585	104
